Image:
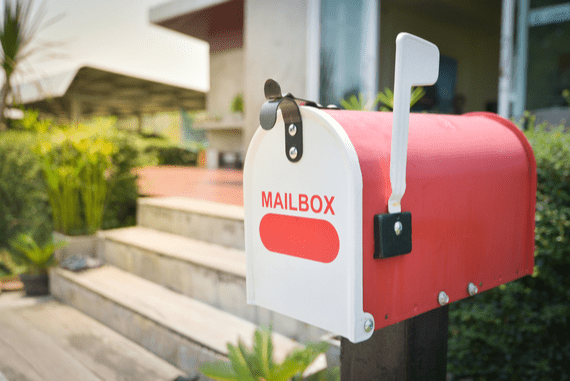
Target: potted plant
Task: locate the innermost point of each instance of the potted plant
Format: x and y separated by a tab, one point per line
34	262
77	167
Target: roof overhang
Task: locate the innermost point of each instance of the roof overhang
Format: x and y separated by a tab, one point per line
218	22
96	92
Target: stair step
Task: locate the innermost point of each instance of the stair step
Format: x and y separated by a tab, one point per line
183	331
207	221
210	273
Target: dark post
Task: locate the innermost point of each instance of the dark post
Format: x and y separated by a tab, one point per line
414	349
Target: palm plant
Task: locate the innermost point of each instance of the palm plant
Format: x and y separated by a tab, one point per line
385	99
257	364
18	28
35	259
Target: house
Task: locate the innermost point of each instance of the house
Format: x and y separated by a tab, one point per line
120	65
326	50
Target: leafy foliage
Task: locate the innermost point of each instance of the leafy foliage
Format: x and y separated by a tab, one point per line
24	206
258	364
77	167
566	96
170	155
24	201
237	103
520	330
19	25
36	259
385	99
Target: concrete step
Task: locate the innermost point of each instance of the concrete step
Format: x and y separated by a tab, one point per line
183	331
207	272
202	220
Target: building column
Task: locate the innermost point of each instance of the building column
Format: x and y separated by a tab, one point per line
75	109
506	59
212	158
522	58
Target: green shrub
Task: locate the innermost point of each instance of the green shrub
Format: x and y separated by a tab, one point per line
24	206
385	99
122	197
35	259
78	172
237	104
257	364
161	152
520	330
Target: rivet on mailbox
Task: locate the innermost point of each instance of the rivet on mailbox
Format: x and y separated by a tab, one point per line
372	214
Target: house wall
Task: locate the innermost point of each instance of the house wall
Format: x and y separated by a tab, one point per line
275	37
475	46
226	81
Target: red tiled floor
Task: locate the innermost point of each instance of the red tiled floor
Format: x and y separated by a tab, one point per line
11	283
220	185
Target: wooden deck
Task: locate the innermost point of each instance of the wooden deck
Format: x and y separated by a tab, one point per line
221	185
43	340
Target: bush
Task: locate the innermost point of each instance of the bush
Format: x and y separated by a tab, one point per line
166	154
78	173
24	206
520	330
257	363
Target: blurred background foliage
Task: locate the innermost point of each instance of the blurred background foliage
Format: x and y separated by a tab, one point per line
519	331
24	203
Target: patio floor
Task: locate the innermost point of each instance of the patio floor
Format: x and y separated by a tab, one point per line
44	340
218	185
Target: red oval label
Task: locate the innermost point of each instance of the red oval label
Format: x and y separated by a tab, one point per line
308	238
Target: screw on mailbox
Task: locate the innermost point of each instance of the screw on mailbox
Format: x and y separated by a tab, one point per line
398	227
292	129
293	153
442	298
472	289
368	325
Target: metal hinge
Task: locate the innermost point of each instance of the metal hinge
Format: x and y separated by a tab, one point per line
291	115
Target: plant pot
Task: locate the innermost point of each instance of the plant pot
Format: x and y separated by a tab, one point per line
35	285
79	246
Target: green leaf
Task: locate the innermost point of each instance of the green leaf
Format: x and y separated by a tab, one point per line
298	361
263	349
221	370
329	374
239	363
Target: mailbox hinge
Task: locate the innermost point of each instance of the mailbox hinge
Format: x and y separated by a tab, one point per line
291	116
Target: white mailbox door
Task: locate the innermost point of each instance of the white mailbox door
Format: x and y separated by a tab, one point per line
303	227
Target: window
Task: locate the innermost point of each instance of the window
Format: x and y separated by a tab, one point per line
348	49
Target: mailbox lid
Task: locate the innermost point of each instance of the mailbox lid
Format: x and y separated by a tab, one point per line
471	189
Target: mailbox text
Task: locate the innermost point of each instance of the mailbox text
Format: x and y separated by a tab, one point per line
300	202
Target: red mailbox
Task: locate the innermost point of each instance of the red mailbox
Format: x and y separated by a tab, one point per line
322	245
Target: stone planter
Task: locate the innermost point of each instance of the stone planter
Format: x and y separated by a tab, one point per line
35	285
78	246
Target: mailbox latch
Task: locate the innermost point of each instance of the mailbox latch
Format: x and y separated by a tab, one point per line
392	234
291	116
